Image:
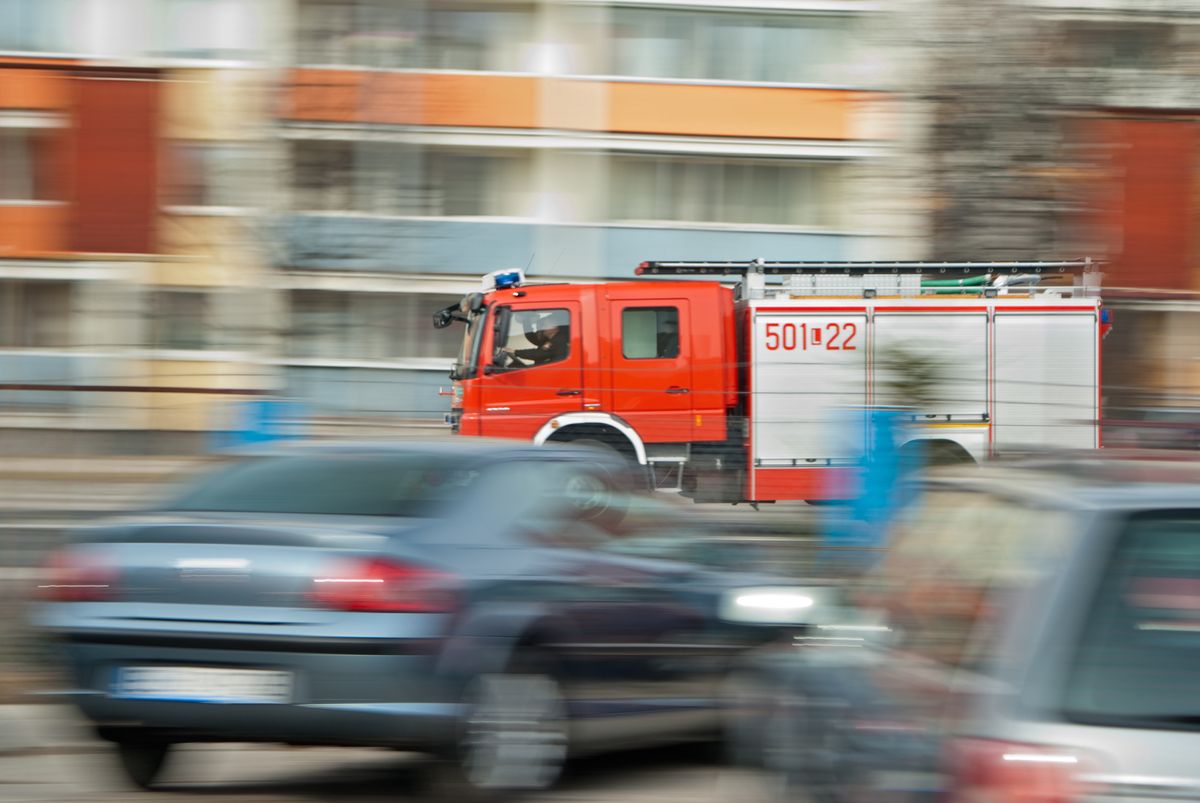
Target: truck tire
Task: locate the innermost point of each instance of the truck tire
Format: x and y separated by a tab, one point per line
639	475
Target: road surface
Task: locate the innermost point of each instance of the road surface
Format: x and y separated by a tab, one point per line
62	763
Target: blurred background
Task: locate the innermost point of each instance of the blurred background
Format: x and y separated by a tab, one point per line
206	202
220	218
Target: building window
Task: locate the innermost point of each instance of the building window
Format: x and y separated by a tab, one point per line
179	320
471	184
369	33
35	314
210	174
1121	45
323	176
660	43
740	191
338	325
494	38
27	162
394	179
212	29
34	25
435	35
649	333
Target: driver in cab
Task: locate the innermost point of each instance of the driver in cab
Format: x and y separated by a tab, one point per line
549	335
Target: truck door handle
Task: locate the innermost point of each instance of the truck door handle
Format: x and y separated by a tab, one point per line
676	389
569	392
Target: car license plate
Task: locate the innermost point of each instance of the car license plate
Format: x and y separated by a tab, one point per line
203	684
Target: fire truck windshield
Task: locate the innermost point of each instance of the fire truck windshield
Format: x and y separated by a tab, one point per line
468	352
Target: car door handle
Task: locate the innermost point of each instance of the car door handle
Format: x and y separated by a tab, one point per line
676	389
569	392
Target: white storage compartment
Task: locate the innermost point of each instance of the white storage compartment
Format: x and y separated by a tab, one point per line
1046	379
808	368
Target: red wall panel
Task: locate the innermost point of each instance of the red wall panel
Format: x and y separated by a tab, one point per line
1155	165
115	163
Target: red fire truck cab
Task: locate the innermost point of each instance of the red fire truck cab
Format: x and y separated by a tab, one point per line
748	393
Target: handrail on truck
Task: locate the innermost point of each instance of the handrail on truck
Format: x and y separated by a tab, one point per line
856	268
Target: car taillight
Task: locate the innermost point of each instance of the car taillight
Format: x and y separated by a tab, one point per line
990	770
74	575
381	584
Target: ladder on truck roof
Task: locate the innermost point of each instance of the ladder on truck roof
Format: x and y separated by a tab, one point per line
893	279
715	268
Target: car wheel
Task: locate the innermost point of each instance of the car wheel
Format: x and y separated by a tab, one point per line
804	753
143	761
745	702
515	734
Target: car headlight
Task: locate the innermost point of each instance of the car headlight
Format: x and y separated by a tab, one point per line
776	605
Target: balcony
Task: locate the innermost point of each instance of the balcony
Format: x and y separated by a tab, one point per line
630	106
33	228
458	246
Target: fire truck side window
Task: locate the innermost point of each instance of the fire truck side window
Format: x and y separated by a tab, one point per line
649	333
534	337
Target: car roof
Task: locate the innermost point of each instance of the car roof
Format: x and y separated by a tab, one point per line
1095	480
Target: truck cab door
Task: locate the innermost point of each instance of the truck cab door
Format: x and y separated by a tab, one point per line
533	368
652	368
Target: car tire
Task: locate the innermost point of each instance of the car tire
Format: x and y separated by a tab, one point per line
514	737
143	760
805	751
745	701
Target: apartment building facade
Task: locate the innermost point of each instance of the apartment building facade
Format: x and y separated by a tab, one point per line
1129	75
130	264
431	142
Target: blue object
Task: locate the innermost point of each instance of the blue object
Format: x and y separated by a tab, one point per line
507	280
874	490
262	421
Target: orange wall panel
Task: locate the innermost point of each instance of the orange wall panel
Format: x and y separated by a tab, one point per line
34	230
33	90
731	111
492	101
348	96
323	95
390	99
518	101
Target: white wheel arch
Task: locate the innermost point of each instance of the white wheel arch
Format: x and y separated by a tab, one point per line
564	422
973	441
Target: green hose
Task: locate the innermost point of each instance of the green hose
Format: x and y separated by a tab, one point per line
952	291
973	281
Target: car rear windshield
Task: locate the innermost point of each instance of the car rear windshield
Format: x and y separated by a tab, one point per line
356	485
1137	659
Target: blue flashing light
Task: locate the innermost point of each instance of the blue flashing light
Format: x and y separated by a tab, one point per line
507	280
1105	316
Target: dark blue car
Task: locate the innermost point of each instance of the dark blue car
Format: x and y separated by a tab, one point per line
479	602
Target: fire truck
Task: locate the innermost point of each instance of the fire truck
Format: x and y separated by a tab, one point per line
747	393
